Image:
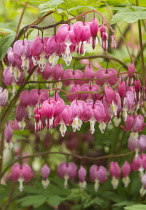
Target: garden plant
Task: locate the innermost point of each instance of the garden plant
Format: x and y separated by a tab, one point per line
73	105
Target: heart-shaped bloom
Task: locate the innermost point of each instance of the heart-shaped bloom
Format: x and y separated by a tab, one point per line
66	171
21	173
98	174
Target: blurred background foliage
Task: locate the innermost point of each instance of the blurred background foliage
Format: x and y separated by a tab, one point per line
112	141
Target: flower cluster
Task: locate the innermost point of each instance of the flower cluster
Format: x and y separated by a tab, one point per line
97	174
69	38
122	102
102	96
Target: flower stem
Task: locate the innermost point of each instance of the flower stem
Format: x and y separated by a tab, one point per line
20	20
141	49
1	150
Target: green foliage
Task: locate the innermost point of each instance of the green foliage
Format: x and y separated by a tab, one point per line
34	200
23	133
79	7
50	5
136	207
7	30
129	15
37	195
125	2
5	43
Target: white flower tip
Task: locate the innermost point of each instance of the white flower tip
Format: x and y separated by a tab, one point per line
102	127
126	181
21	180
45	183
96	185
114	182
9	145
142	192
83	184
63	129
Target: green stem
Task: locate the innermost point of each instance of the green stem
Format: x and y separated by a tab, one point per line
1	151
102	56
9	196
141	48
139	54
141	51
1	75
24	29
20	20
120	33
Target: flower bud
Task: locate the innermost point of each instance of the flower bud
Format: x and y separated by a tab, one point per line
82	176
45	171
115	173
126	168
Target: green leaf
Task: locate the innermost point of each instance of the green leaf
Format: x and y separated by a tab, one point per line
23	133
55	200
115	2
112	196
19	137
4	190
32	190
5	43
141	2
122	9
50	5
129	17
78	7
138	8
136	207
124	203
52	189
128	9
94	201
7	30
34	200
